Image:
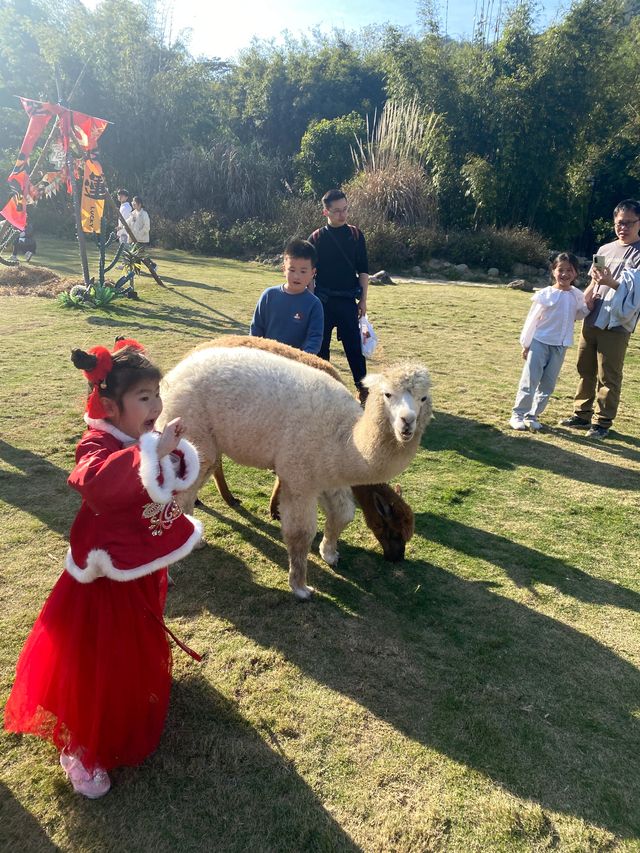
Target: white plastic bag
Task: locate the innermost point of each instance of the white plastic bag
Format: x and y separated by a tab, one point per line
368	338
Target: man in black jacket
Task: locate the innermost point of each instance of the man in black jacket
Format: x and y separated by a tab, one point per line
342	282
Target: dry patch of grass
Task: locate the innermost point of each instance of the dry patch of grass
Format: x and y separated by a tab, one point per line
31	280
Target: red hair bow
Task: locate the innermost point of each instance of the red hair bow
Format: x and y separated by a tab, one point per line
128	342
96	377
104	365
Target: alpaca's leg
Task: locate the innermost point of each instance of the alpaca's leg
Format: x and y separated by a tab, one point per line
221	483
274	503
209	460
339	509
187	499
298	516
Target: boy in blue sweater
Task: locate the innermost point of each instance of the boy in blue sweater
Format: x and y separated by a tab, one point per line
288	312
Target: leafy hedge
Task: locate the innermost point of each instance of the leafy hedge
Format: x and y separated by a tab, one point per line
389	245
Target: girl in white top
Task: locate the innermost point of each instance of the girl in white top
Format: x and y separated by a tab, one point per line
139	222
546	334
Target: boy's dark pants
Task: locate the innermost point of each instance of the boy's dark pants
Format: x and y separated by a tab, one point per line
342	314
601	355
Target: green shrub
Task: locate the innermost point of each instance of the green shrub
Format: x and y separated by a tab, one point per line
201	232
324	160
471	247
486	247
198	232
250	238
516	245
424	243
387	246
300	216
233	181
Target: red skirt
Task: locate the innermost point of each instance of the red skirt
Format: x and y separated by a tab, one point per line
95	673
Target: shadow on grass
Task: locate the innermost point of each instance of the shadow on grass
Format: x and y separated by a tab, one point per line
231	323
484	443
525	566
627	439
39	489
148	316
190	260
538	707
197	285
213	784
20	830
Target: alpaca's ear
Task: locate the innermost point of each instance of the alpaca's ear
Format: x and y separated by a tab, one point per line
371	379
397	488
383	508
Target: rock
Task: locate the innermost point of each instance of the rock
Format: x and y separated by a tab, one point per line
462	268
524	269
381	277
437	264
542	272
270	261
416	270
493	272
521	284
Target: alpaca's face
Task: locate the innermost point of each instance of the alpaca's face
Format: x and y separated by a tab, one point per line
404	406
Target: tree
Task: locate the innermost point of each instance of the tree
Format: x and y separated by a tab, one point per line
325	160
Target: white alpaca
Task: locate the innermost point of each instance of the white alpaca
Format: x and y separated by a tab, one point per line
267	411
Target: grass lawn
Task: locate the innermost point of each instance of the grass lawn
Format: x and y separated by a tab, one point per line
482	695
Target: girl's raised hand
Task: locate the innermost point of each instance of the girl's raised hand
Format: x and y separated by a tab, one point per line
170	437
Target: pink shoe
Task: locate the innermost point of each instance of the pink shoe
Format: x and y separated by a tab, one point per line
91	784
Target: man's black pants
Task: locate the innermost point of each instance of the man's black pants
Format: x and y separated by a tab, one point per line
342	314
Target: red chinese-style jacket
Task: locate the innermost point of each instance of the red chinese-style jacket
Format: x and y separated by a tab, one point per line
129	524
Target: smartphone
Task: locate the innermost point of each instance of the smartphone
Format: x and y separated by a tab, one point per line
599	261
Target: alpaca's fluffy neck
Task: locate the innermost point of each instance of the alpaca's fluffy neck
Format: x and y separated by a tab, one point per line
380	455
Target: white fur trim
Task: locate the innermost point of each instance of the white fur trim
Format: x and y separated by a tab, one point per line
99	562
191	465
105	426
151	467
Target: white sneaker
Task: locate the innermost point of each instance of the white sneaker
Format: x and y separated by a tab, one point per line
91	784
28	256
517	422
533	424
14	259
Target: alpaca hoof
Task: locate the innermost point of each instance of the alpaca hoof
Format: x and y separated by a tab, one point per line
329	554
303	593
275	514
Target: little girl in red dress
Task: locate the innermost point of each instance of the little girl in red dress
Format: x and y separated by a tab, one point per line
95	673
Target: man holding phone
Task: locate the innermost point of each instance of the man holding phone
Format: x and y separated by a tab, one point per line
605	333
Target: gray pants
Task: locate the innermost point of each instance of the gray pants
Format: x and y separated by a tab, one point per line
539	377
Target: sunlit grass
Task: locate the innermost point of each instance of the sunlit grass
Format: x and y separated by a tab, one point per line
482	695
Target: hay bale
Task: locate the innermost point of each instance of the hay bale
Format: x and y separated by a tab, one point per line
31	280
